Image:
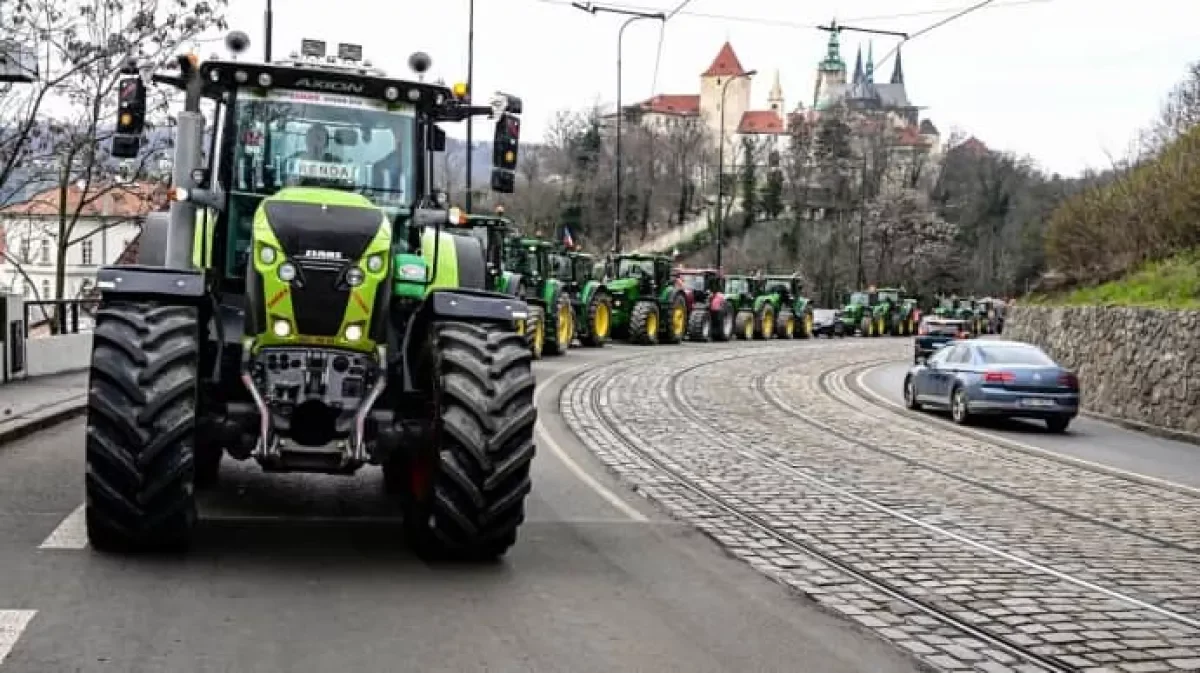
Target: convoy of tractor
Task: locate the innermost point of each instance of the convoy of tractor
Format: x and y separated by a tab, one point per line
312	311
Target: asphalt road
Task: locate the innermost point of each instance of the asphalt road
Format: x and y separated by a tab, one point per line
302	573
1086	439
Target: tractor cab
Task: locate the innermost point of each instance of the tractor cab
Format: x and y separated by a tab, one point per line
739	286
787	287
698	284
491	231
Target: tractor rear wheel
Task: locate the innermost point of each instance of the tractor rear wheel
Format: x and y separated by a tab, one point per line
722	323
764	322
643	323
468	500
676	319
535	331
599	320
806	325
785	325
141	422
561	329
743	325
700	325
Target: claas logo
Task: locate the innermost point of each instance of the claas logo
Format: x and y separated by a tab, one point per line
504	146
131	106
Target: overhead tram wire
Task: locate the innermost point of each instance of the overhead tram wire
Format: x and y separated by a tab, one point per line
662	33
958	15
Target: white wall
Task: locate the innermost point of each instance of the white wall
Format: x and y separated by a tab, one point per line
56	354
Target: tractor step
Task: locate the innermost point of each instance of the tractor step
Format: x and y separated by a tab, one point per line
328	459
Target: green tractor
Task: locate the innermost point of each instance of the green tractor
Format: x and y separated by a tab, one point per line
303	305
529	259
793	311
589	296
648	308
740	292
900	312
864	314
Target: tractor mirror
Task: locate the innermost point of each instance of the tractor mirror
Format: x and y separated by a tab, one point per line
437	139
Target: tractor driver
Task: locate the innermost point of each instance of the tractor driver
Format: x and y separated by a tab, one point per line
316	139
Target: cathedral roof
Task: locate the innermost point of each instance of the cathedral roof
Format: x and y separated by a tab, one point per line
726	64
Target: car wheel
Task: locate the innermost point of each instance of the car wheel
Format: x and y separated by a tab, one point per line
958	407
1058	424
910	395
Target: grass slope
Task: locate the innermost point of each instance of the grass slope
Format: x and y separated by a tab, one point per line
1173	283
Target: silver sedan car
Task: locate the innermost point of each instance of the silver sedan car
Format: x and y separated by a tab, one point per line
994	378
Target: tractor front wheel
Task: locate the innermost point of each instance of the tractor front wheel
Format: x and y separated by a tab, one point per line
785	325
599	320
723	327
468	500
643	323
535	331
677	319
562	330
743	325
806	326
141	423
700	325
764	327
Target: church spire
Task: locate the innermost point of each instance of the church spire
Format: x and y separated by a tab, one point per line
833	51
870	73
858	67
775	97
897	70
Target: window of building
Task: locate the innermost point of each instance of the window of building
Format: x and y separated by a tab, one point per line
45	289
85	252
25	249
45	251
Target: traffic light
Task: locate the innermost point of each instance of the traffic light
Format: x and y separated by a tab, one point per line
131	117
505	142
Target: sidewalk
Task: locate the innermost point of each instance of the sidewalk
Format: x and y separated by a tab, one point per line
32	404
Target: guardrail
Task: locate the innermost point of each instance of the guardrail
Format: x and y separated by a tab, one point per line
58	316
44	337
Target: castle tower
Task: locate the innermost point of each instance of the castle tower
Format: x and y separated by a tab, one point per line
831	73
775	98
713	82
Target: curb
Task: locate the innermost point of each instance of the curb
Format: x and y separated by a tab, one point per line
1148	428
41	419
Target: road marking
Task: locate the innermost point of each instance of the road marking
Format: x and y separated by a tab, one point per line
860	380
71	533
588	480
12	625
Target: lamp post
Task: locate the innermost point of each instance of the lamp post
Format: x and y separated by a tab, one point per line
592	8
470	92
721	166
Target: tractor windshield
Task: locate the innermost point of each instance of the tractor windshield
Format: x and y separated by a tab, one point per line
292	138
736	286
635	268
860	299
692	281
777	287
583	268
890	296
523	259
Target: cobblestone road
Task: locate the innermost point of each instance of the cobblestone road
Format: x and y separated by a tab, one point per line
967	554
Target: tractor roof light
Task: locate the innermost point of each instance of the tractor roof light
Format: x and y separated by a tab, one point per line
460	90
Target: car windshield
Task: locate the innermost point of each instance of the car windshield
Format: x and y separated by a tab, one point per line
293	138
1014	355
692	281
737	286
634	268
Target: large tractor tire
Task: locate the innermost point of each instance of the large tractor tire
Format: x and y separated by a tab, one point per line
785	325
700	325
141	423
535	331
465	497
743	325
867	326
723	323
805	330
880	327
764	322
599	320
675	319
643	323
560	325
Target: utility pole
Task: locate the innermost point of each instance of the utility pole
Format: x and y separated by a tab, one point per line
593	8
721	166
268	28
470	95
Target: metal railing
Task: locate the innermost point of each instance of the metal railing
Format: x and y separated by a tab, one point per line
59	316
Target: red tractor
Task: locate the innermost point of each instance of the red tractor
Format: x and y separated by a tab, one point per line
710	316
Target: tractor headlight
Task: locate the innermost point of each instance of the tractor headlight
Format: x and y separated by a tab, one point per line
282	328
375	263
354	332
287	272
266	254
355	276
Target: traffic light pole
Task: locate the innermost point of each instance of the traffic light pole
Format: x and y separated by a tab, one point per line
593	8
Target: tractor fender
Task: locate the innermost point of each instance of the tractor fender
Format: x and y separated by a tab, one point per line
800	306
551	288
760	300
589	290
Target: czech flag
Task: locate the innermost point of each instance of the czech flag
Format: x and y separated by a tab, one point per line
566	239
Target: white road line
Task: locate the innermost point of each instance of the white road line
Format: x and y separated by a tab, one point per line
588	480
71	533
12	625
860	380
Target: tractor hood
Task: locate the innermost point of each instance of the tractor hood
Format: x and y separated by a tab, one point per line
623	285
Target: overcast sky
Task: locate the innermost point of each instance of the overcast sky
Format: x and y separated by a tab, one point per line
1061	80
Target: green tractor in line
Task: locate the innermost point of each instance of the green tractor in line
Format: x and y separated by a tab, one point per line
302	305
793	311
740	293
900	312
530	258
589	297
863	313
648	308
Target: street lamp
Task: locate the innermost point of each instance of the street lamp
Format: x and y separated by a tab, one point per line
721	166
592	8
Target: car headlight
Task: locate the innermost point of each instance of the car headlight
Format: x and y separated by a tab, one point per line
267	254
282	328
375	263
287	272
354	332
355	276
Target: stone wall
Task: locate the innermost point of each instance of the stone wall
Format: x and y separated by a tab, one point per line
1140	365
